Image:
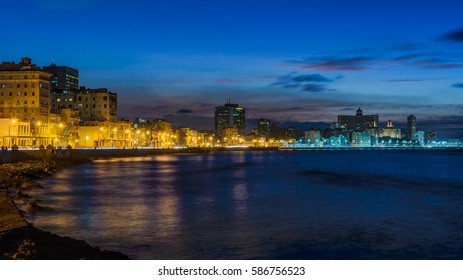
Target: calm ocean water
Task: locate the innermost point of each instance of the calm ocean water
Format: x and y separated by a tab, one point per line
356	204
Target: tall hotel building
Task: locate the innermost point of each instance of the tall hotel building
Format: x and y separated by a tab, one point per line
229	116
64	84
24	104
411	125
24	91
359	122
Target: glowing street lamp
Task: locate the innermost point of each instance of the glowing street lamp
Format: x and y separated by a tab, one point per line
86	138
13	121
60	134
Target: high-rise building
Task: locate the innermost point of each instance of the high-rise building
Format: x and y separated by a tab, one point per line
25	105
431	137
411	127
64	77
96	104
64	85
313	137
263	128
24	91
227	116
420	137
359	122
390	131
361	139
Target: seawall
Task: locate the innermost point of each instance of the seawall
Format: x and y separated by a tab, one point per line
12	156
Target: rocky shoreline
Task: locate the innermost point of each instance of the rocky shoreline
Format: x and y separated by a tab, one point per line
20	239
18	172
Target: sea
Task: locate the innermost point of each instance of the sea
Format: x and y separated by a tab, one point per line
290	204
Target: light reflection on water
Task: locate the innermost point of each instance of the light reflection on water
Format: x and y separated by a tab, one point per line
270	205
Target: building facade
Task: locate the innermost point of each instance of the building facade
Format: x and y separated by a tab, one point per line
361	139
64	84
359	122
263	128
390	131
411	127
96	104
25	104
228	116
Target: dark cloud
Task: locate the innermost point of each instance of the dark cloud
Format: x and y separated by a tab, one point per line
335	64
294	79
290	85
308	82
311	78
407	46
454	36
458	85
226	81
314	88
405	57
444	66
412	80
185	111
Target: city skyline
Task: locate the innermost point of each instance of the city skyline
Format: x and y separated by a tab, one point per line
288	62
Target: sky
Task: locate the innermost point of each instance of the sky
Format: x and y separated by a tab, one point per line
288	61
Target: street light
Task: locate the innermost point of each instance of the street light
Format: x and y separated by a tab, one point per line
60	134
86	138
35	131
13	121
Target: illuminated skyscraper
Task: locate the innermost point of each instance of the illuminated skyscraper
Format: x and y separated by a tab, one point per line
359	122
64	77
390	131
411	126
229	115
64	84
263	128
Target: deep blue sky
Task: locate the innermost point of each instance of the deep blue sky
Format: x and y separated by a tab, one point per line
284	60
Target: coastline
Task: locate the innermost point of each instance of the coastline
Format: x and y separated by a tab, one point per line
20	239
18	172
